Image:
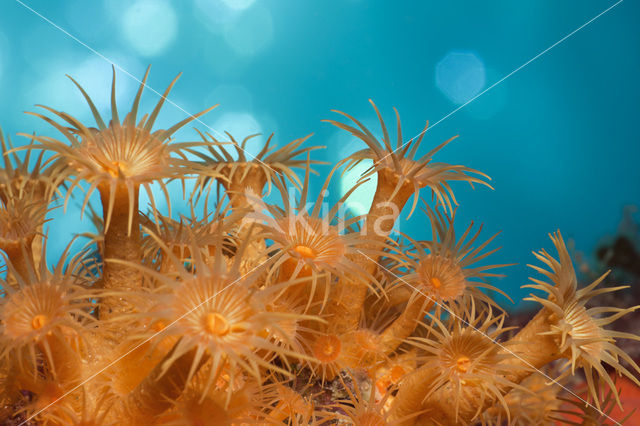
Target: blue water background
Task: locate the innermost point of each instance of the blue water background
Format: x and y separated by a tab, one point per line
559	137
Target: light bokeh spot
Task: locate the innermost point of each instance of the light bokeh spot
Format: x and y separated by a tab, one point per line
491	103
149	26
252	32
238	4
217	14
360	200
460	75
94	75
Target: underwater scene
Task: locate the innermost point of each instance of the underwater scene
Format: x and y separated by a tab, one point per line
339	212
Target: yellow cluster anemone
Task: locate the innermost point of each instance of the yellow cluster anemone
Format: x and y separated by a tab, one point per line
120	157
41	307
444	269
21	219
241	307
217	314
580	330
405	174
463	358
242	172
182	235
317	244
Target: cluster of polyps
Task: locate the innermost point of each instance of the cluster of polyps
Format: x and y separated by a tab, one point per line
256	313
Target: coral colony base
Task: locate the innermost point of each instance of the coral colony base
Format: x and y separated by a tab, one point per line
252	313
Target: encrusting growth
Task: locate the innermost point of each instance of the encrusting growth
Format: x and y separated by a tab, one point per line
246	310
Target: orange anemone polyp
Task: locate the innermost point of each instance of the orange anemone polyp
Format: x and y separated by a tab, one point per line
435	282
39	321
158	326
397	372
327	348
442	277
216	324
305	252
462	364
114	169
393	376
298	254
